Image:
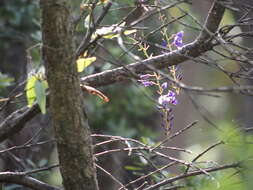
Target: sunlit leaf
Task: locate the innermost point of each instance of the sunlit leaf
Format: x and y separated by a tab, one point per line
111	36
132	168
106	30
82	63
30	90
111	32
87	22
128	32
40	91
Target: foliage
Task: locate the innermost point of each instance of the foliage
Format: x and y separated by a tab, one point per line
36	91
133	123
5	80
17	18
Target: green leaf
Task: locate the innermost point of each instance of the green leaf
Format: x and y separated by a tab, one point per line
132	168
82	63
30	91
5	80
40	91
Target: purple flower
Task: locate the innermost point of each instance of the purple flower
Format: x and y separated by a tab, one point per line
164	43
179	77
170	118
174	101
167	123
178	39
145	77
164	85
168	99
171	94
146	83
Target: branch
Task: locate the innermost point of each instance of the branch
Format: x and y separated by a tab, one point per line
21	178
194	173
158	62
16	121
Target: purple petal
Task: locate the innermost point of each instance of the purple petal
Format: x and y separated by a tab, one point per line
169	110
178	39
180	34
145	77
164	43
171	93
147	83
166	100
179	77
178	43
165	85
170	118
174	101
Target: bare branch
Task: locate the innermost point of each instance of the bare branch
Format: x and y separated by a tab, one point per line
111	176
16	121
194	173
21	178
202	153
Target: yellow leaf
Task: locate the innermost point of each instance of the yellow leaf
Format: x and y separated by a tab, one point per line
110	32
30	91
110	36
128	32
82	63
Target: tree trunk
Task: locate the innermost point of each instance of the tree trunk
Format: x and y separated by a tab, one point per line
66	105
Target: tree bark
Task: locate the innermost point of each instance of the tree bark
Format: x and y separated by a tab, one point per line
66	102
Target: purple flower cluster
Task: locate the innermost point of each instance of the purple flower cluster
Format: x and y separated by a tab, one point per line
145	80
168	99
178	39
167	122
166	102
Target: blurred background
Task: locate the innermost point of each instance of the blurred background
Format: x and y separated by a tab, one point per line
130	112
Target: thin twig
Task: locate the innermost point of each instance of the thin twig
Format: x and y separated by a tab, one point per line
111	176
202	153
175	134
193	173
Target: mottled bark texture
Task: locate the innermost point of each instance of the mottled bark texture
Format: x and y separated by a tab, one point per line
66	104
